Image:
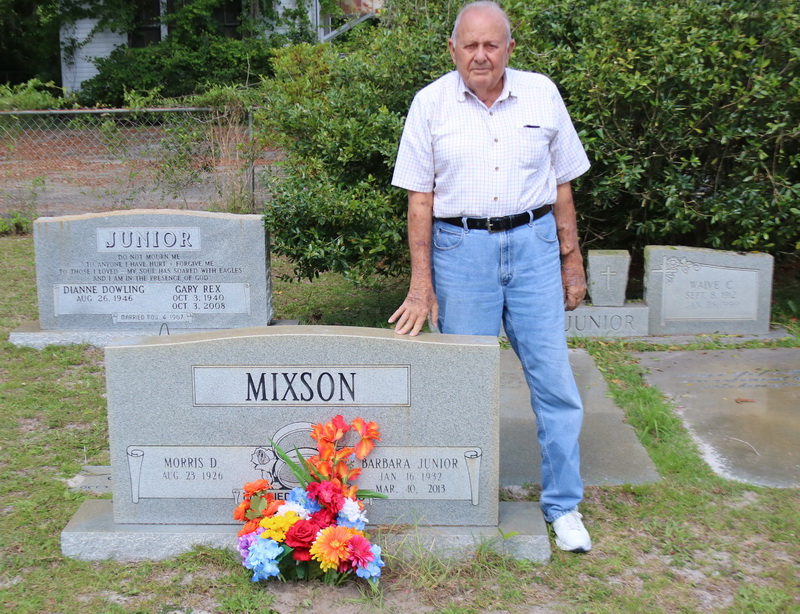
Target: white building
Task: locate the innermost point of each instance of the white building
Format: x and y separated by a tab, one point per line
87	44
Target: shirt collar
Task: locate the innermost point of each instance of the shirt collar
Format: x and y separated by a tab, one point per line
462	90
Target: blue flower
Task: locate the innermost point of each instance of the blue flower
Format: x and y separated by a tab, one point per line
372	570
262	559
300	497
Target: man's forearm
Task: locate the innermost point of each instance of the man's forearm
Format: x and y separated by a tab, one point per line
573	276
567	222
420	302
420	222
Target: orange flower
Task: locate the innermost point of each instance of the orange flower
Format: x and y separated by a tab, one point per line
326	435
272	507
239	512
250	526
369	433
330	547
251	488
322	469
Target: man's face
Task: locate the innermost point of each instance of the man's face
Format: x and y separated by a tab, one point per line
481	51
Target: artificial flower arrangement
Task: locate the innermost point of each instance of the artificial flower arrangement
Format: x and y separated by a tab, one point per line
318	531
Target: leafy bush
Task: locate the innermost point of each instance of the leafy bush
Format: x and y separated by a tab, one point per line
15	224
689	111
30	96
175	69
338	111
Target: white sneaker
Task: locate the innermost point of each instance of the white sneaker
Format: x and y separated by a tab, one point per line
571	534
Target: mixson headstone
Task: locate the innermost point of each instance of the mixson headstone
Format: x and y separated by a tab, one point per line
696	290
205	412
136	272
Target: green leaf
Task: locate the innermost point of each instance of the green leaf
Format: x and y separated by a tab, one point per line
370	494
298	472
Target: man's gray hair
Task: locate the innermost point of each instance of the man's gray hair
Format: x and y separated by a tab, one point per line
482	4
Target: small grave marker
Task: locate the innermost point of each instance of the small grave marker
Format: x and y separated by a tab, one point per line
607	272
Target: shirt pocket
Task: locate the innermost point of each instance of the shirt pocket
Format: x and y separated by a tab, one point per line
533	142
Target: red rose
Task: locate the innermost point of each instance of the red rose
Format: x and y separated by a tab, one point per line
300	537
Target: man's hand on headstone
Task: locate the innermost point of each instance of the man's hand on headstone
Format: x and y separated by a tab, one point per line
411	316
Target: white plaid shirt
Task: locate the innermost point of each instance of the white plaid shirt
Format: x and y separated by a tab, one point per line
488	162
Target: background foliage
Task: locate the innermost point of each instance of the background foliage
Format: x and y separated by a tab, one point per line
195	53
689	111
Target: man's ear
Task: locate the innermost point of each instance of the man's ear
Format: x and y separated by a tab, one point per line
451	47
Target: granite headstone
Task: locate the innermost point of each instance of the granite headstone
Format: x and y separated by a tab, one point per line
607	276
695	290
630	320
197	420
135	272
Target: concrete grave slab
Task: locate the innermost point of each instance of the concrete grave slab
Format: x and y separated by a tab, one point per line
742	407
694	290
607	276
148	272
610	451
92	535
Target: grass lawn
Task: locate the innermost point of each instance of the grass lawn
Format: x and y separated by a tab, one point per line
693	542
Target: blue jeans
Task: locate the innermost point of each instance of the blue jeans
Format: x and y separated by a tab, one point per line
514	276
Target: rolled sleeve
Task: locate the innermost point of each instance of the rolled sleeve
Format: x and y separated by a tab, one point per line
414	169
568	157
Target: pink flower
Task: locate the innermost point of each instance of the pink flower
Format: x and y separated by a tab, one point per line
328	494
360	550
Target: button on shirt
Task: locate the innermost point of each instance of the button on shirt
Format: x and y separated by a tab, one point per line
481	161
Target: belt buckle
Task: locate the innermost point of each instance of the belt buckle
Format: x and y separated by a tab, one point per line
490	224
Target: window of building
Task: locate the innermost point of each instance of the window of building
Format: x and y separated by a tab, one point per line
148	24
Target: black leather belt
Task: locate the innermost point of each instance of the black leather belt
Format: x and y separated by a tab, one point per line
498	224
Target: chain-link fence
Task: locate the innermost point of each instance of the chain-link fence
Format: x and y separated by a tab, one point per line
80	161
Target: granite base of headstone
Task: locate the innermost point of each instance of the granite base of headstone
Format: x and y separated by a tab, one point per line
629	320
704	291
103	276
607	315
198	420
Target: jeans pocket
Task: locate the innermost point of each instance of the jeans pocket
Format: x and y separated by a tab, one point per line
446	237
545	228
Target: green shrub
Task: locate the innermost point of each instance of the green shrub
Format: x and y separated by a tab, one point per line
176	70
338	111
689	111
30	96
15	224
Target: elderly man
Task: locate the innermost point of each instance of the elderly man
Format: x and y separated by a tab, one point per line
487	156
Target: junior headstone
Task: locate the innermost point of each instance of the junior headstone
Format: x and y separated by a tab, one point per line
192	418
695	290
123	273
607	272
